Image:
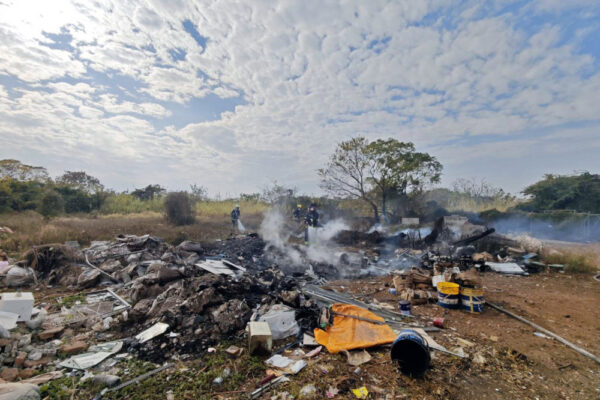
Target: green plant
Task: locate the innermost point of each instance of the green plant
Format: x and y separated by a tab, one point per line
178	208
574	263
52	204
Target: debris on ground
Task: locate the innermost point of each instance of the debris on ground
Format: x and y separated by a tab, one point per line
390	303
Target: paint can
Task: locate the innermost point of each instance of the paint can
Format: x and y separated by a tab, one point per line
411	353
448	294
472	300
404	306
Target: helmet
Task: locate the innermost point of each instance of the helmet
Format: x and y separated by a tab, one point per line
313	205
299	205
237	206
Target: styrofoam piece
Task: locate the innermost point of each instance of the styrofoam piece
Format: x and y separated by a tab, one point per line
20	303
155	330
8	320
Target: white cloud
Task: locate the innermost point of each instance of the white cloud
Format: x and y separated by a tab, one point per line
310	74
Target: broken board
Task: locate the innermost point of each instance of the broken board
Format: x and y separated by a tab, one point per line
219	267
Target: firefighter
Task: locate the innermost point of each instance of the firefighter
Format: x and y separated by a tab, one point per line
235	216
298	212
311	220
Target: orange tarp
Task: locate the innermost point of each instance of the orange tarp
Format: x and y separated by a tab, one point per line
350	333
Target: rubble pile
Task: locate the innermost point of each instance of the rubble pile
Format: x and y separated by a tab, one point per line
139	296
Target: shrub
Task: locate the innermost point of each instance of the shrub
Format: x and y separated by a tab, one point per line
574	262
179	208
51	204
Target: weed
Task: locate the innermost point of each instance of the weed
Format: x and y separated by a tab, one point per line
69	301
574	263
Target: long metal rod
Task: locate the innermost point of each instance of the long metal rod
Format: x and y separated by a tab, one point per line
98	269
134	380
546	331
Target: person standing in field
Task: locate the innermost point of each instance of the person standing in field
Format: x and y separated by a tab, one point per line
311	220
235	216
298	212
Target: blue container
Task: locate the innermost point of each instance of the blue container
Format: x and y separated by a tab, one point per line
472	300
404	306
448	300
392	291
411	353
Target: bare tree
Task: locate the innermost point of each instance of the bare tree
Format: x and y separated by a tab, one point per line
347	172
375	171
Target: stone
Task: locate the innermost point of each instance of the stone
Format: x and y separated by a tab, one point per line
192	247
20	359
9	374
108	380
35	355
25	340
26	373
50	333
5	342
89	278
111	266
41	361
37	321
19	391
73	348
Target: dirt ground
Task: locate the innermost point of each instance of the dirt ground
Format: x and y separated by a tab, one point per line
518	364
505	360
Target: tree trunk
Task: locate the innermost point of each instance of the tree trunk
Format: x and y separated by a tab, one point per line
375	212
384	207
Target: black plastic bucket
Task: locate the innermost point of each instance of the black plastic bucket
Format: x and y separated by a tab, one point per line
411	353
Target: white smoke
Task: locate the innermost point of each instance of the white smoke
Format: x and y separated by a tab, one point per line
241	226
276	230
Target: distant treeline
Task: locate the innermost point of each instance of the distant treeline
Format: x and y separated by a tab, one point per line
24	187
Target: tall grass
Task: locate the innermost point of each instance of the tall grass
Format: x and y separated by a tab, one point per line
30	228
223	208
128	204
581	263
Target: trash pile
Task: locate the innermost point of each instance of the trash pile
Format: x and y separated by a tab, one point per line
139	297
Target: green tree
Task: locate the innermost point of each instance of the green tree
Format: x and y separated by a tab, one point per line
80	180
14	169
397	169
51	204
149	192
179	208
565	192
375	171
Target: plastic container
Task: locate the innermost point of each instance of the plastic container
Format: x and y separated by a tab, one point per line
411	353
404	306
472	300
448	294
392	291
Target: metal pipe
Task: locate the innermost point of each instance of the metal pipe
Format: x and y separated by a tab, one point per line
546	331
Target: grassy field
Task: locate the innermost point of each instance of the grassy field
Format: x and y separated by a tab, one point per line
30	228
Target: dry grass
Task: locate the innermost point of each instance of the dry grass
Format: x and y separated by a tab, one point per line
30	228
223	208
575	260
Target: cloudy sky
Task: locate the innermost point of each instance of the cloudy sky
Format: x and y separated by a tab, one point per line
235	94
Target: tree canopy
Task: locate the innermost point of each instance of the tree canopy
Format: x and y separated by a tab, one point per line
14	169
565	192
375	171
80	180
